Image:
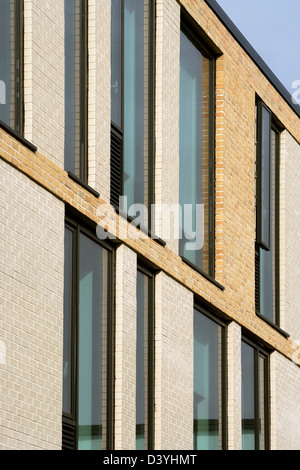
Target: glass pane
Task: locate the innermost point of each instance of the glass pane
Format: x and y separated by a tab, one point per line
72	86
92	344
261	385
265	177
116	62
7	62
267	258
207	383
266	284
194	153
142	361
136	72
248	398
67	353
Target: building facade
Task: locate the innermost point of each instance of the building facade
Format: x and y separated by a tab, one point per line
149	241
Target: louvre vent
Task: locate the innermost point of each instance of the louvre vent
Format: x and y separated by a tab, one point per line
68	436
116	150
257	279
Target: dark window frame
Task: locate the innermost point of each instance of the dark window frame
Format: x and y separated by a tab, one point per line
277	127
117	148
146	271
260	351
224	367
83	95
69	421
201	41
84	67
18	129
19	38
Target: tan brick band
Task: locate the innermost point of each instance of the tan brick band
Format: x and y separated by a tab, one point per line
56	181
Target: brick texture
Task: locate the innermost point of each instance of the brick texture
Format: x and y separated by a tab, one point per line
234	370
99	97
126	273
290	231
174	365
34	189
285	404
31	313
167	120
44	77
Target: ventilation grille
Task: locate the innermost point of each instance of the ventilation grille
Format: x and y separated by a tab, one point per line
116	150
68	436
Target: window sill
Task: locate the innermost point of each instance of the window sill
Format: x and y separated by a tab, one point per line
17	136
206	276
84	185
140	227
273	325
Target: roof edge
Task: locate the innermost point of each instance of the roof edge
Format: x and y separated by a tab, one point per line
257	59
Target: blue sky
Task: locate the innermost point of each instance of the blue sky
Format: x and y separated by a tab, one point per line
273	29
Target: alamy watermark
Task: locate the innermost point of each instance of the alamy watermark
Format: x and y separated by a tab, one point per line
2	352
296	351
176	222
2	92
296	93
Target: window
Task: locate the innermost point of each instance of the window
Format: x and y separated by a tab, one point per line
145	360
209	382
132	44
11	64
87	355
196	140
76	86
255	406
267	216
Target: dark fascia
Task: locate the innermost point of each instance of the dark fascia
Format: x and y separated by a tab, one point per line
235	32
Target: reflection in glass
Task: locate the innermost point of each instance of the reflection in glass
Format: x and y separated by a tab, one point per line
207	383
254	398
92	344
248	398
116	62
72	86
194	138
134	100
142	361
261	384
7	62
268	274
67	353
130	77
265	177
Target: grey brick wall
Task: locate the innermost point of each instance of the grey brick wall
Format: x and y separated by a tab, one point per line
285	403
31	313
174	365
44	77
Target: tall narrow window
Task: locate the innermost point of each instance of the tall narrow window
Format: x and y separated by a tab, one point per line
11	64
254	398
87	328
209	383
132	42
267	216
196	139
144	360
76	70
